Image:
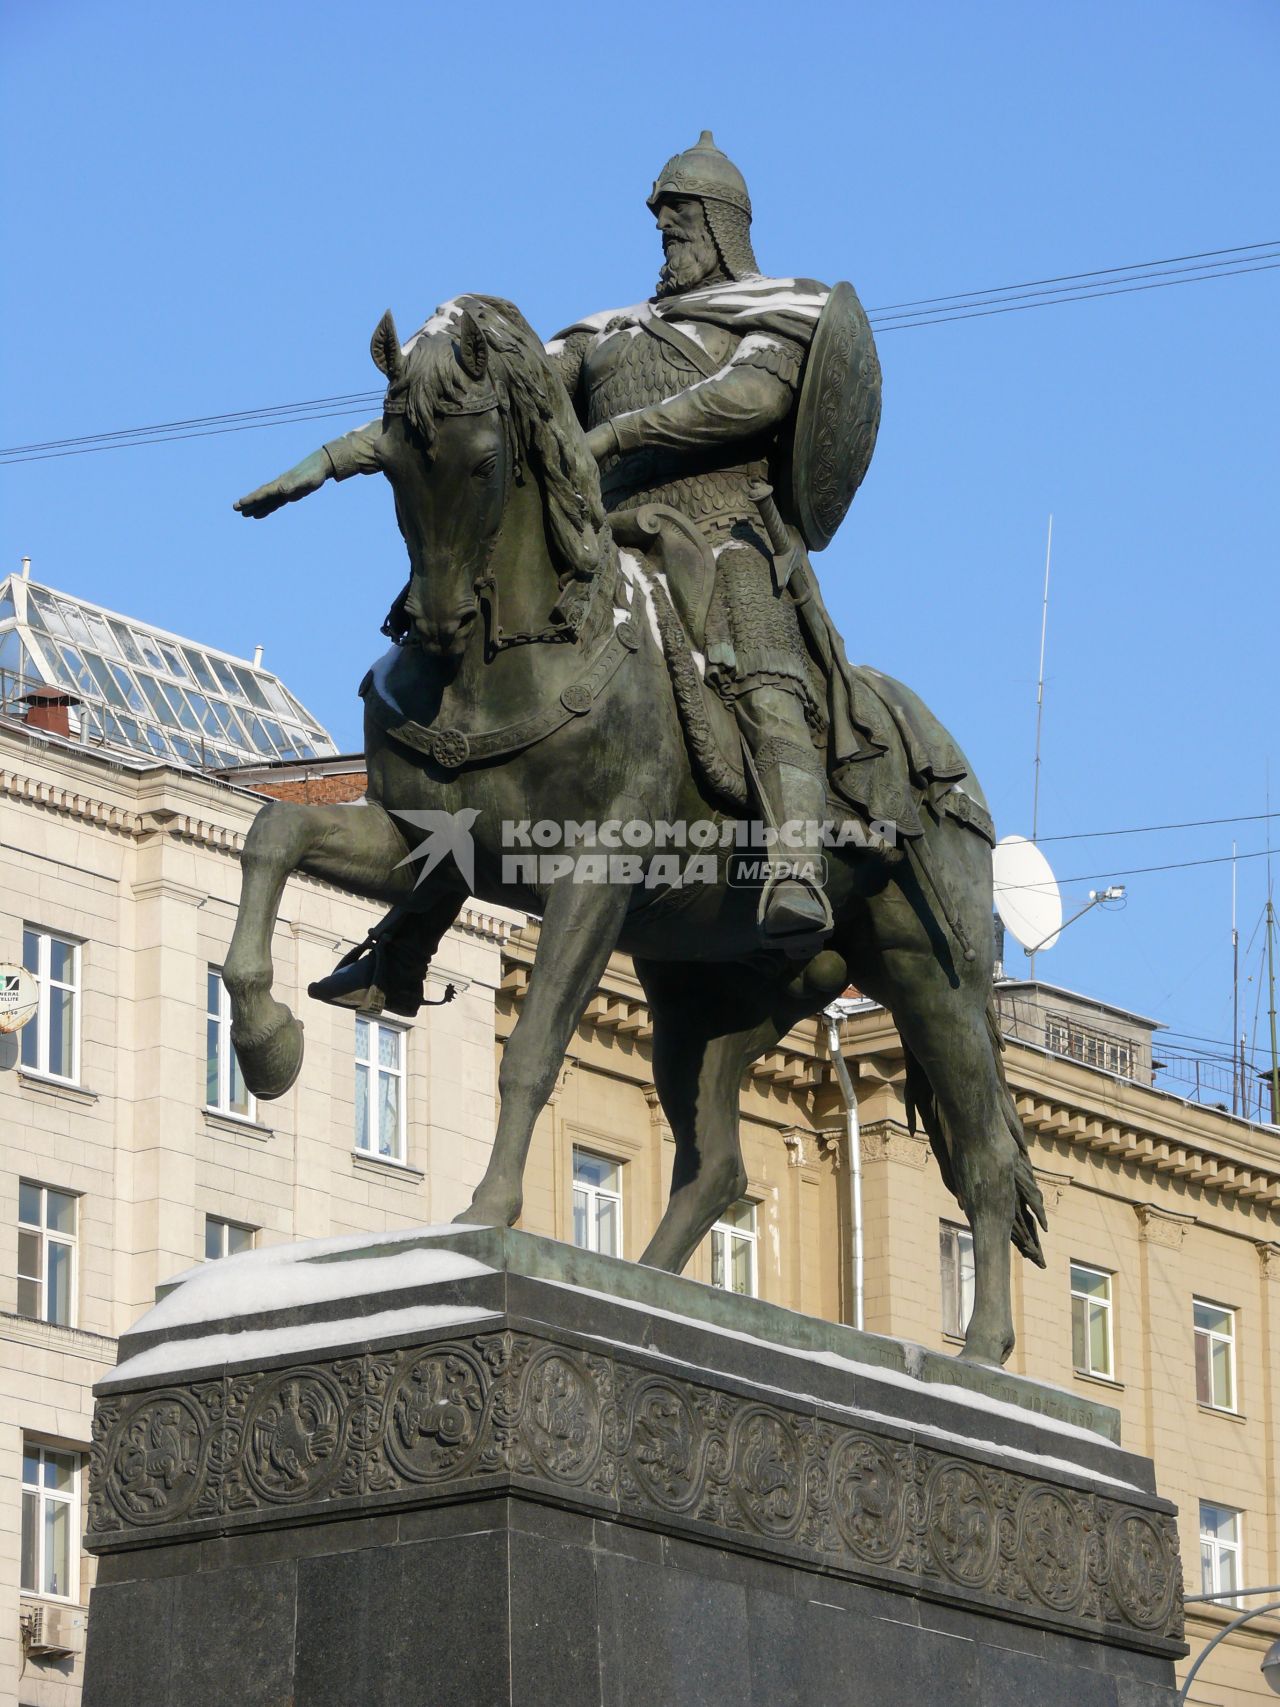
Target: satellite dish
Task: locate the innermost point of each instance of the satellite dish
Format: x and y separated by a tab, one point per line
19	996
1026	893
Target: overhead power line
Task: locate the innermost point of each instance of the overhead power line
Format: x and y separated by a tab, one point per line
1150	829
976	311
1162	274
1214	259
1075	278
1143	870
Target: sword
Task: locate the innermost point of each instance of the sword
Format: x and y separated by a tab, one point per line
788	554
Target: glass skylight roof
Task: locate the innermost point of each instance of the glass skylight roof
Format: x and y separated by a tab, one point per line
146	691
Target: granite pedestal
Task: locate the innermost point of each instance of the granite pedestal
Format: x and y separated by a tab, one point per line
473	1466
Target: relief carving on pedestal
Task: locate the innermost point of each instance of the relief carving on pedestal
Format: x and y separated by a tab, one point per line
154	1459
650	1445
435	1414
293	1430
563	1429
1051	1546
665	1445
962	1524
768	1471
869	1497
1145	1572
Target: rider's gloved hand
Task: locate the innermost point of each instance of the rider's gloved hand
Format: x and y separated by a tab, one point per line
309	476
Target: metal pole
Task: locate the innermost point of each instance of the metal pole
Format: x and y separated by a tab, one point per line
1258	1611
1271	989
1236	1083
1044	629
853	1135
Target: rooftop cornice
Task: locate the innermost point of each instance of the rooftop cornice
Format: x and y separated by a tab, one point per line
1148	1113
1133	1142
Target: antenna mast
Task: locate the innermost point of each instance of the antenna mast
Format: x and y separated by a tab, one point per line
1271	967
1237	1084
1044	629
1271	990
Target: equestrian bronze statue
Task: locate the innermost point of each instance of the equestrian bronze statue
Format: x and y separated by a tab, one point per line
612	625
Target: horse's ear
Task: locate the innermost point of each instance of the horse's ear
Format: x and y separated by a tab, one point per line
385	349
473	352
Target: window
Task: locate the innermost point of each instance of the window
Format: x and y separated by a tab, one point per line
1065	1036
380	1089
51	1042
1090	1320
1215	1331
597	1204
225	1238
733	1250
224	1088
46	1253
50	1522
955	1257
1220	1568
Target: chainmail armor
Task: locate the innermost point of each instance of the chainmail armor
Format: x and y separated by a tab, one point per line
648	371
731	228
753	633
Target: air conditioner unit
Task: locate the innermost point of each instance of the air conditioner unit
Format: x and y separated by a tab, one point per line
54	1629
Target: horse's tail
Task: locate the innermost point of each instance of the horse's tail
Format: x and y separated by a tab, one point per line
921	1101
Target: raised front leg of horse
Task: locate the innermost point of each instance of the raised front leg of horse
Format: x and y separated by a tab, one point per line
579	930
355	846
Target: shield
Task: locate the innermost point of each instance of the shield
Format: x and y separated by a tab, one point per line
837	418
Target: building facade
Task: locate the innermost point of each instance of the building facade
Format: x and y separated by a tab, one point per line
129	1151
128	1148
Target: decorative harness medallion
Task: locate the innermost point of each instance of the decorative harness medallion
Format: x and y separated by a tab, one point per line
450	749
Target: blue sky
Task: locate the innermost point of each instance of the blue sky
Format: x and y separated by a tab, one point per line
208	209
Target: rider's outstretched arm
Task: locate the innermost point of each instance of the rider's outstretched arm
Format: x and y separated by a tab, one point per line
354	453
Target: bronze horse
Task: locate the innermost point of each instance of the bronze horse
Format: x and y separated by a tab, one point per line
498	499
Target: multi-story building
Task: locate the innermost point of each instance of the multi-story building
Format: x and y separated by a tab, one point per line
129	1147
129	1150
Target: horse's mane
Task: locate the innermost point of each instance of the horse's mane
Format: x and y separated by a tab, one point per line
536	411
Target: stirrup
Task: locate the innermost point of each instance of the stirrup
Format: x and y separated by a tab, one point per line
354	984
798	923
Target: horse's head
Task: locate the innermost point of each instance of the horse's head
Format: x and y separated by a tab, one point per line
449	459
469	405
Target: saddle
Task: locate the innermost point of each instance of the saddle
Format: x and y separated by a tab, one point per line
887	756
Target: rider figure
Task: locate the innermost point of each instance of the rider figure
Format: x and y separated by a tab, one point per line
683	398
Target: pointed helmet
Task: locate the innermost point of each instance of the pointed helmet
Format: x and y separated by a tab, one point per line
705	172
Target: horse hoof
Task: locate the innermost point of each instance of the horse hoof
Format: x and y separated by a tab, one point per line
994	1357
270	1058
490	1212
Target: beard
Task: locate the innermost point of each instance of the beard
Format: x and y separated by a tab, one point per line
689	261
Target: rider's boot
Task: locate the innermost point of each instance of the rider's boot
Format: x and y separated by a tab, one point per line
384	973
794	913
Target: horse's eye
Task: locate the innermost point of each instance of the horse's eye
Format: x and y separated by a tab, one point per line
485	467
